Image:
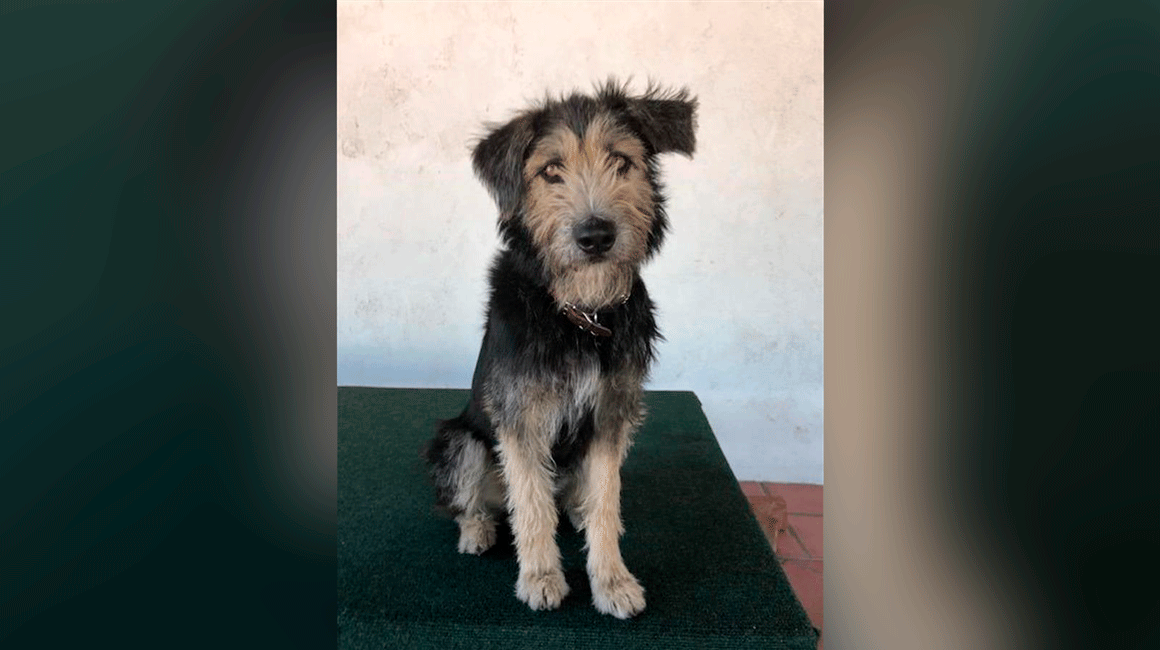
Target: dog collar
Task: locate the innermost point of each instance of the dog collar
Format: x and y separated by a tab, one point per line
588	320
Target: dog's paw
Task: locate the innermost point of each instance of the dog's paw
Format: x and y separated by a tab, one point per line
542	590
476	536
619	595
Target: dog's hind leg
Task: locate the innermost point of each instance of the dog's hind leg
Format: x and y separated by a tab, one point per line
479	487
468	484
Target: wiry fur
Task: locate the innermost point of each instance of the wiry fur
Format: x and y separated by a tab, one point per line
553	407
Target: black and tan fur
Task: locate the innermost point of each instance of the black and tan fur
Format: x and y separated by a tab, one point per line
554	405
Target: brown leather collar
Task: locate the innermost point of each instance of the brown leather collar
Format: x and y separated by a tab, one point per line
587	320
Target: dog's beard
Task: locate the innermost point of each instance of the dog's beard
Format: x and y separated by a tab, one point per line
593	286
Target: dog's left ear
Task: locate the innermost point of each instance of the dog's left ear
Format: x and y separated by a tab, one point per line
498	160
668	121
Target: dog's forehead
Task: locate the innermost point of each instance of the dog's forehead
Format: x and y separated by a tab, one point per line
579	112
567	136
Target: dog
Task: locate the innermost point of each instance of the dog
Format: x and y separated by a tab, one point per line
570	333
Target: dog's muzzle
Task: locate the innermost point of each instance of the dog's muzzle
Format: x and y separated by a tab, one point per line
595	236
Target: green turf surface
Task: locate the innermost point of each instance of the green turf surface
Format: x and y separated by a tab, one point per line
710	578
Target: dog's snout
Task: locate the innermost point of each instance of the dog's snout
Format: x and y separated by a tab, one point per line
595	235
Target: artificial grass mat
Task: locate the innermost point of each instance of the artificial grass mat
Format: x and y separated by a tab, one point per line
710	578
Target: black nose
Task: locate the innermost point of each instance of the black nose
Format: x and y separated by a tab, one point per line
595	235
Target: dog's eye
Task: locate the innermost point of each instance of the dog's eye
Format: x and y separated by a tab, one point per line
551	172
623	163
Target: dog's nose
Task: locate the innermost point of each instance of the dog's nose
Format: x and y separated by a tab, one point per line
595	235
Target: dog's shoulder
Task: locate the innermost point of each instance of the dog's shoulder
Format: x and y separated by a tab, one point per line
517	297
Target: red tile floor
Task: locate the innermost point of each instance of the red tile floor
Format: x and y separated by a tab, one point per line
791	517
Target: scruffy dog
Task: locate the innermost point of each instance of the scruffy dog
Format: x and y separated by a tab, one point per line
556	394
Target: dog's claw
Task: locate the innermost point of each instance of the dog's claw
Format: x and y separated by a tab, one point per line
621	596
542	590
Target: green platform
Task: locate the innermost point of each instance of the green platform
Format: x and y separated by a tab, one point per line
711	580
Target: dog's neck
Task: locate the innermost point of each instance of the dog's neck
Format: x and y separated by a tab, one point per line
591	288
579	294
582	293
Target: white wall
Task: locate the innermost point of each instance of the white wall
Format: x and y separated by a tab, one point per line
739	282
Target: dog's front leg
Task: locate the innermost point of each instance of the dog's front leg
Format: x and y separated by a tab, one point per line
526	462
615	590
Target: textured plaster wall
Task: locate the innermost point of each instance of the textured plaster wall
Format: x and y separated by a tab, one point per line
739	282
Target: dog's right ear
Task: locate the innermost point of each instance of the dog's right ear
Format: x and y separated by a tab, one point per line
498	160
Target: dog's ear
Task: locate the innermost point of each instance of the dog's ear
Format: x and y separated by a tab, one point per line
498	160
666	119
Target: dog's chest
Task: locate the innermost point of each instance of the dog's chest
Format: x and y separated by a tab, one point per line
579	389
581	392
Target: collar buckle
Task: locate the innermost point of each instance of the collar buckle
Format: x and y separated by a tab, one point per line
588	321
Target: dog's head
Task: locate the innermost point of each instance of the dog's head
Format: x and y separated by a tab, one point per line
575	180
